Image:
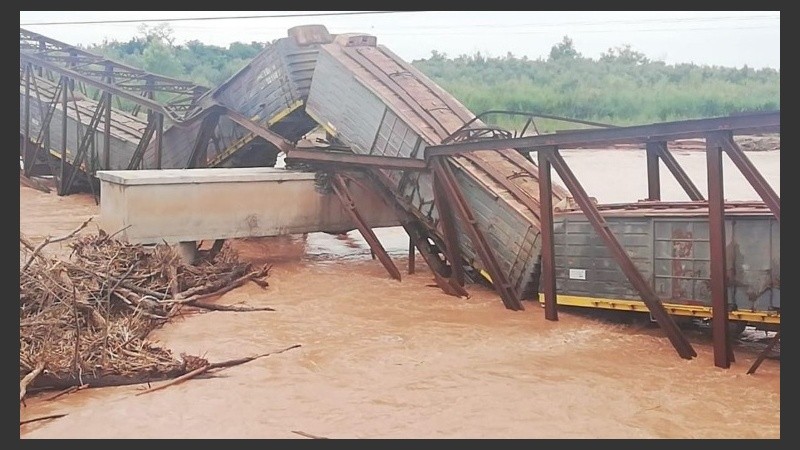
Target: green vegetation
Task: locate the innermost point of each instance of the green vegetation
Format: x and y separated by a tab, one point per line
622	87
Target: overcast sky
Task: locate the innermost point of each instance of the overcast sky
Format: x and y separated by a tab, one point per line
723	38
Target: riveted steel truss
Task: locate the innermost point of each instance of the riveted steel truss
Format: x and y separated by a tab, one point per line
718	134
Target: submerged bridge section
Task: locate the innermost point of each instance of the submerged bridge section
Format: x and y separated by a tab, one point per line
471	198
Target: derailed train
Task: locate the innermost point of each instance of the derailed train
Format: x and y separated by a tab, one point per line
370	101
669	244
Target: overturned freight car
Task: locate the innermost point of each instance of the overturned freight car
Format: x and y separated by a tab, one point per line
377	104
369	101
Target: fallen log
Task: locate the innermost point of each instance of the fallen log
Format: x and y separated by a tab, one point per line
238	361
234	308
64	381
66	391
308	435
219	365
37	419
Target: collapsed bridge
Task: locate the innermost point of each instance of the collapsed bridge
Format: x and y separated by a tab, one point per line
467	193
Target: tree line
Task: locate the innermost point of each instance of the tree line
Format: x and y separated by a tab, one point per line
621	87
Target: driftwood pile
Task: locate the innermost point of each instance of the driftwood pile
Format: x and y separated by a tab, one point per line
84	320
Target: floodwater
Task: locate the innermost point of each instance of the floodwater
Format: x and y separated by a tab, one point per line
388	359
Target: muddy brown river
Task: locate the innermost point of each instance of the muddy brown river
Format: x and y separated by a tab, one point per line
388	359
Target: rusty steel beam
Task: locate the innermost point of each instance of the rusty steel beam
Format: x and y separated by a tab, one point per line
752	175
716	231
25	144
763	355
43	137
340	188
256	128
411	256
352	159
677	171
159	139
63	171
200	150
107	134
665	131
446	283
448	221
528	114
144	142
453	196
101	85
83	146
422	234
632	273
548	275
83	66
653	178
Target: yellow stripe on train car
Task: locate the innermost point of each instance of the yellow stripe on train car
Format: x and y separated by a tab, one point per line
672	308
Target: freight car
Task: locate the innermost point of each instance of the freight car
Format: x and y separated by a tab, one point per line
669	244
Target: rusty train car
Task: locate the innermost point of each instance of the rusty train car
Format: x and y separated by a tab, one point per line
669	244
377	104
369	101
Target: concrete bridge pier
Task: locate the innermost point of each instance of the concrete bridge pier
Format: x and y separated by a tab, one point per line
188	251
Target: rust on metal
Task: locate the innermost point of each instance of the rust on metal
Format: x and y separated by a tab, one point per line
547	283
752	175
44	131
83	146
659	313
61	179
682	209
453	137
426	239
355	160
411	256
255	128
456	199
159	139
27	137
340	188
447	219
592	138
199	155
763	355
528	201
716	231
680	175
653	176
367	63
97	71
144	142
